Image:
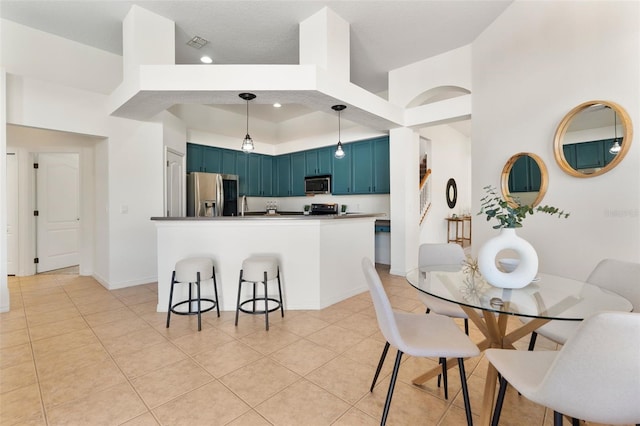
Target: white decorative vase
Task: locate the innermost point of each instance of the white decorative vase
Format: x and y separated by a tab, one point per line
524	273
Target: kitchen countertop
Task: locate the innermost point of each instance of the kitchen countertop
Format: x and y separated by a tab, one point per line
261	216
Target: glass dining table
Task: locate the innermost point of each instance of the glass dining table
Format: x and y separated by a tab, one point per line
548	297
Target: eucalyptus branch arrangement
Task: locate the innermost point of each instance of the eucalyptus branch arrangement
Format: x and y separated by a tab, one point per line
496	207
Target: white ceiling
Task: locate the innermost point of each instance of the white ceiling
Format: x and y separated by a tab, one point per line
384	34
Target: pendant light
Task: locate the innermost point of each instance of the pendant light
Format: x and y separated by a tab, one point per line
247	143
615	148
339	151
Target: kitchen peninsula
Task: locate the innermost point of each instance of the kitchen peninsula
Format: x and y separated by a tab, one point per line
319	255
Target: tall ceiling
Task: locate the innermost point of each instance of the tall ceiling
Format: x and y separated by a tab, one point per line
384	34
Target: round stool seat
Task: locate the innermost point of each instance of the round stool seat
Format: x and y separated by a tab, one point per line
193	271
253	268
187	269
260	270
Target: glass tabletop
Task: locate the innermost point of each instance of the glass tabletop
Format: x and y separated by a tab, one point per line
547	296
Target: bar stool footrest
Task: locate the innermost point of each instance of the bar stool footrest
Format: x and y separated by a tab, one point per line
259	299
213	305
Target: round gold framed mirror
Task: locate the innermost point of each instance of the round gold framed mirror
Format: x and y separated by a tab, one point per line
592	138
524	180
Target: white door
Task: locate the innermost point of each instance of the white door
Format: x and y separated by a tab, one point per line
175	184
58	206
12	214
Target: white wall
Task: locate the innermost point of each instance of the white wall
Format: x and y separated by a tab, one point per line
4	290
537	61
128	160
449	157
33	56
407	83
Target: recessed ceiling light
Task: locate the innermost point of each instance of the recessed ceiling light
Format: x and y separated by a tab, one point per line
206	60
277	105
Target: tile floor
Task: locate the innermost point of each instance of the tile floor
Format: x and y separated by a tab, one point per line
73	353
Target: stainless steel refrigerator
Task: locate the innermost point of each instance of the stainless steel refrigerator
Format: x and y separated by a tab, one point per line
212	194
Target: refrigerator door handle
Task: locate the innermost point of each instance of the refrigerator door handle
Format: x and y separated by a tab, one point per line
219	196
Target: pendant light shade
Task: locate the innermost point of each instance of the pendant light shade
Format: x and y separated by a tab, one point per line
247	143
615	148
339	151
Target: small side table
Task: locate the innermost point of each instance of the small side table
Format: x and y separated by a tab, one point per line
459	235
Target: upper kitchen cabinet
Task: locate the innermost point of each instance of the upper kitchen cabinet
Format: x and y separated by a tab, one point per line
369	166
525	175
381	170
202	158
318	161
283	175
259	180
362	167
242	170
298	164
266	175
589	155
211	159
194	158
341	177
229	166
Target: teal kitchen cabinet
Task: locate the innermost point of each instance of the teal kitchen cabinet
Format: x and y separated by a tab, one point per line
229	161
607	144
211	159
341	176
194	158
362	167
202	158
525	175
381	169
588	155
318	161
242	170
569	151
266	175
297	173
283	175
370	166
254	175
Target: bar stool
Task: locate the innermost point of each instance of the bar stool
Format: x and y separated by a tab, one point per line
260	269
193	271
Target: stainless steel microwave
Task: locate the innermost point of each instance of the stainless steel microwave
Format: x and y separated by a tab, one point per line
317	185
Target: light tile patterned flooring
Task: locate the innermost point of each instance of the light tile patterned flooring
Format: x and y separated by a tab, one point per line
73	353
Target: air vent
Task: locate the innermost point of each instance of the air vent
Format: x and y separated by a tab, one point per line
197	42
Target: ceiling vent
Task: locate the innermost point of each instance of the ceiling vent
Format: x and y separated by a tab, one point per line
197	42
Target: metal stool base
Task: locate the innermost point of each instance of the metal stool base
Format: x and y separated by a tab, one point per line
266	299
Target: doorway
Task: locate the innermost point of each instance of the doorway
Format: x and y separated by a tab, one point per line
174	184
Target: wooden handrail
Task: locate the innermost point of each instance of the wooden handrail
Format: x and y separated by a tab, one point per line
423	181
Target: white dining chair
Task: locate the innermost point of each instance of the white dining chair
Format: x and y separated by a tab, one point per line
416	335
618	276
442	254
595	377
